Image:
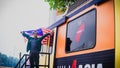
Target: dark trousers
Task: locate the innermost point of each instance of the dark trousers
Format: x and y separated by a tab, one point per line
34	60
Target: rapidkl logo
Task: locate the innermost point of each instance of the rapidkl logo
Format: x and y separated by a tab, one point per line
79	32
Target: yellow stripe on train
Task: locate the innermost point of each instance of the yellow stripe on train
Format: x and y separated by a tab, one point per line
117	40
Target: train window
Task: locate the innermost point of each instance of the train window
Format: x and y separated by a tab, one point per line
81	32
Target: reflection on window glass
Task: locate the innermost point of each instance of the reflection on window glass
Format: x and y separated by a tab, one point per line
81	32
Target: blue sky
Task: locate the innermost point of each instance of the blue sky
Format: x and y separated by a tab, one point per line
19	15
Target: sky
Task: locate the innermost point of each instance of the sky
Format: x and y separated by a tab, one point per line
20	15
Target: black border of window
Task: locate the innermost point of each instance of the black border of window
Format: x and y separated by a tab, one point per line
95	29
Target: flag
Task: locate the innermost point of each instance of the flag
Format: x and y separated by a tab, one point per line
45	31
40	32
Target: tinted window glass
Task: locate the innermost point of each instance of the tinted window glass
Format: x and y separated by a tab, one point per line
81	32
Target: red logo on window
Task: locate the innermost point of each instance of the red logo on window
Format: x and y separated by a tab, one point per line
79	32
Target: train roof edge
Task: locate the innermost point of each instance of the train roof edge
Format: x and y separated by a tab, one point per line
76	10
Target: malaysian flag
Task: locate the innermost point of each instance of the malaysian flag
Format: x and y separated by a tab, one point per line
41	32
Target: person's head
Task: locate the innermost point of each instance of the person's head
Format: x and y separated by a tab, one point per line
35	34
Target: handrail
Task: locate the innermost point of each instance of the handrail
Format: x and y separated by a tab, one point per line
48	59
21	60
25	62
26	59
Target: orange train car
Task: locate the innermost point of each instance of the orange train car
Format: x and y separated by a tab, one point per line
87	36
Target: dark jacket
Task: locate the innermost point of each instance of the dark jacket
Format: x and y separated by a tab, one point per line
38	41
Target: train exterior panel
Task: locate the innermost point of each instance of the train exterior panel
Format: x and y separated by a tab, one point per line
86	39
88	36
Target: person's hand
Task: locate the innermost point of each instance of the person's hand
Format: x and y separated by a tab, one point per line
21	32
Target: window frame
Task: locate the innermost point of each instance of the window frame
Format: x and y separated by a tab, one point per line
93	9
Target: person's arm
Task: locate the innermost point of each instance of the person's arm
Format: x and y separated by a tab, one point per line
25	35
44	36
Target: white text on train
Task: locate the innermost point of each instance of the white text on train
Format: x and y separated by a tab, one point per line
83	66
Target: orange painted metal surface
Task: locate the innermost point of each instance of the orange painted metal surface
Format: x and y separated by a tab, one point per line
104	30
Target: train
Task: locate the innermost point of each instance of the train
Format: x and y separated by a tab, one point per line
88	36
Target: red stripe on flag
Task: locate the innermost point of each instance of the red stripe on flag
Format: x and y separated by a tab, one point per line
45	31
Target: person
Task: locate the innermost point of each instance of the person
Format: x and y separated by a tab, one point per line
68	43
34	46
